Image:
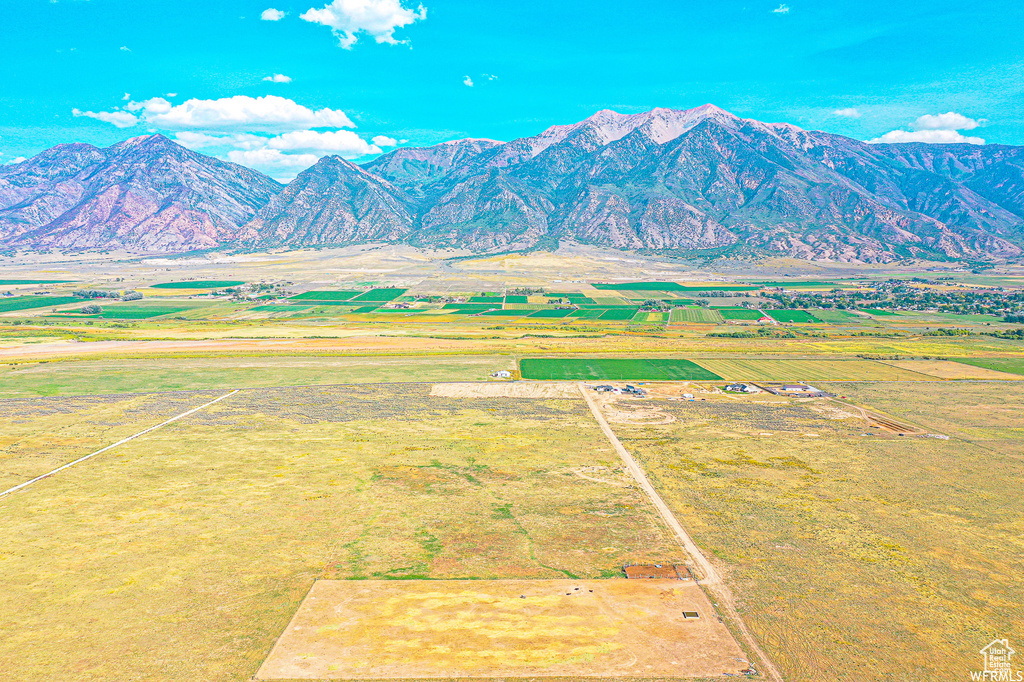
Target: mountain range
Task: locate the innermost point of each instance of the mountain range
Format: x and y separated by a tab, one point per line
673	181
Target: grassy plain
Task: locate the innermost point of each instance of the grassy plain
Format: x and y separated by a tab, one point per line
105	376
807	370
183	555
868	556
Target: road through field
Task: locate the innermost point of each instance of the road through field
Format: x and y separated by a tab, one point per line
712	579
114	445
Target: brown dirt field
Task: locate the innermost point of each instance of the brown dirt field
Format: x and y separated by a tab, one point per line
507	389
497	628
946	369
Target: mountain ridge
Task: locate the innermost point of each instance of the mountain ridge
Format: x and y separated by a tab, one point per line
680	181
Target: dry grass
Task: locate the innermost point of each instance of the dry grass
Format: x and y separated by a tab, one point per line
503	628
945	369
808	370
867	556
183	554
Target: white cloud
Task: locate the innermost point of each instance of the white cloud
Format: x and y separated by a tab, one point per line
781	9
948	121
936	129
467	81
377	18
279	166
929	136
16	159
124	48
344	143
242	113
490	76
278	78
385	141
127	97
193	140
154	105
171	94
121	119
847	113
271	14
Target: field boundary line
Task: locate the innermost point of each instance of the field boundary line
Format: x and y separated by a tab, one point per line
713	581
120	442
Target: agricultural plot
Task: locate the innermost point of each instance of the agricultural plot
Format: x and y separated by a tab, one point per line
129	375
584	314
506	628
383	295
842	562
486	299
11	304
184	554
616	314
1011	365
325	296
198	284
793	316
516	299
552	312
20	282
808	370
696	314
946	369
138	312
506	313
838	317
739	313
609	369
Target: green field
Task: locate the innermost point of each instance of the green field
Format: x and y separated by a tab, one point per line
552	312
612	369
198	284
517	299
739	313
838	316
587	314
696	314
797	316
383	295
1010	365
879	311
141	312
28	302
325	296
505	313
16	282
619	313
486	299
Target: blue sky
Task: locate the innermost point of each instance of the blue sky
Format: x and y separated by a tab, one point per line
356	77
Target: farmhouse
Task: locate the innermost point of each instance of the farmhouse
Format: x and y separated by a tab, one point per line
502	374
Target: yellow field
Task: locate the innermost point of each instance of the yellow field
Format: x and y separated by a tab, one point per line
808	370
183	554
945	369
853	551
503	628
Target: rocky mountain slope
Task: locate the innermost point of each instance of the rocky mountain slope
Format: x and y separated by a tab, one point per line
144	194
700	180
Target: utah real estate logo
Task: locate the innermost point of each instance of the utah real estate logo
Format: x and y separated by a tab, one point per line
998	664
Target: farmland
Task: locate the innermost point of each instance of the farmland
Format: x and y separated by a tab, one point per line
201	284
807	370
841	561
739	313
605	369
696	314
242	505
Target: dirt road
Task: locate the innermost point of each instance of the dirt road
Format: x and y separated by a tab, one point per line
712	580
